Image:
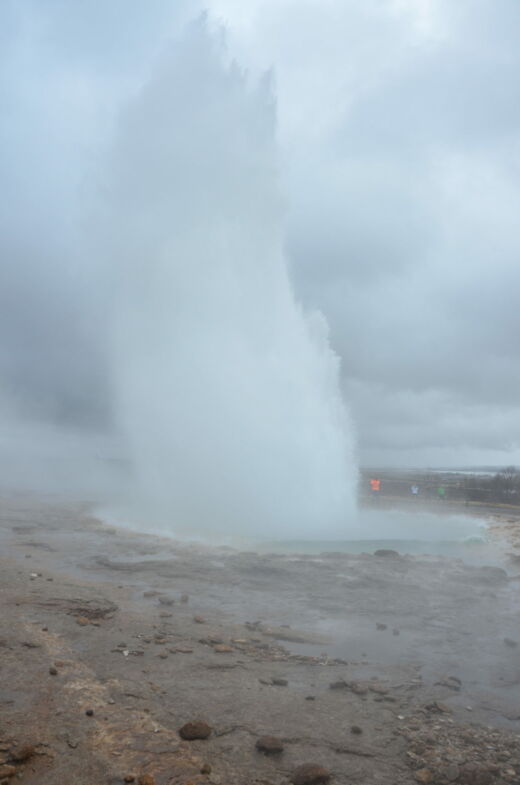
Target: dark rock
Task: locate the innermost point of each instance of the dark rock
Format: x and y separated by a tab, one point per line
7	771
269	745
381	627
310	774
53	671
341	684
205	768
279	682
199	619
22	753
387	553
310	697
356	730
129	778
195	730
451	682
436	707
89	712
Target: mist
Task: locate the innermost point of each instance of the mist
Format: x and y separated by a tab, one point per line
226	391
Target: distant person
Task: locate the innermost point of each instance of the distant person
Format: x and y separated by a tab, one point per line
441	492
375	486
415	490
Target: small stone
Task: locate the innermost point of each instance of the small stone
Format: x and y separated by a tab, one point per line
356	730
475	774
146	779
386	553
450	772
165	615
341	684
184	598
279	682
438	708
163	655
451	682
151	593
89	712
357	689
269	745
395	632
310	697
424	776
195	730
199	619
7	771
82	621
53	671
310	774
129	778
164	600
205	768
381	627
222	648
22	753
378	689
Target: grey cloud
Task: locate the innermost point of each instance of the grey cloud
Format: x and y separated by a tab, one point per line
399	156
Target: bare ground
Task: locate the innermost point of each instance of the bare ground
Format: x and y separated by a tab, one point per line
379	668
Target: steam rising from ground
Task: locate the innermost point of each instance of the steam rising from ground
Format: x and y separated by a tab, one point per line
226	391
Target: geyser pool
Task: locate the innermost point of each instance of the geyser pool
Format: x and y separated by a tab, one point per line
227	391
417	533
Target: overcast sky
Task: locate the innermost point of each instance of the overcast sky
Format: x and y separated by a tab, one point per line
399	151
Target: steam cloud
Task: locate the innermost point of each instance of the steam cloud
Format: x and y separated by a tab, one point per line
227	392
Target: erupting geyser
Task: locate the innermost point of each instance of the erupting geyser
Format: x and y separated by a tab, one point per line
227	391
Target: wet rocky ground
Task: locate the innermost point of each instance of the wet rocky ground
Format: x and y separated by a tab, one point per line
126	657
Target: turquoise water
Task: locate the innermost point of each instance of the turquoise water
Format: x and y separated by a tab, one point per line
416	533
471	551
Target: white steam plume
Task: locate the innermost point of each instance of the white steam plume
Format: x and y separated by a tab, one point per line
227	392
